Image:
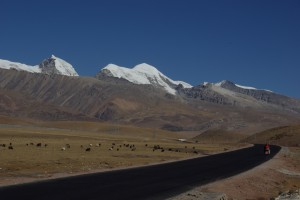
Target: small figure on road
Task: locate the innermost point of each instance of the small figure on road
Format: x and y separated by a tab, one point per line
267	150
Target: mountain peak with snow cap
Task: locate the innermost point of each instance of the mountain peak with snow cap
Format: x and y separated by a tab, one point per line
52	65
55	65
146	68
143	74
6	64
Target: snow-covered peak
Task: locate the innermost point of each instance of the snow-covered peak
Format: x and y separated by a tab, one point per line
55	65
147	69
52	65
118	72
5	64
144	74
224	82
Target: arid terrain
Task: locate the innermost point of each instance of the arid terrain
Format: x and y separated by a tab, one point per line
50	149
43	150
269	180
281	175
144	83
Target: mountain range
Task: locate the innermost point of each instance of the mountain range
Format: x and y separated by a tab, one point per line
140	96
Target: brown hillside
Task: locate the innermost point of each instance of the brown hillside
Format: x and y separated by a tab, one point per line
56	97
284	136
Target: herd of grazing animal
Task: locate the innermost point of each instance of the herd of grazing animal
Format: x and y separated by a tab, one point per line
10	145
89	147
162	149
114	147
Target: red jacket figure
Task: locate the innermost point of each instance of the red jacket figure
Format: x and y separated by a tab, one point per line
267	149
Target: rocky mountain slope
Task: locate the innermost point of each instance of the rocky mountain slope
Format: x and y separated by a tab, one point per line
225	92
55	65
284	102
142	96
228	93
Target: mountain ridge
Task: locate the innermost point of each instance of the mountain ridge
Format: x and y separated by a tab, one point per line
52	65
196	109
210	106
142	74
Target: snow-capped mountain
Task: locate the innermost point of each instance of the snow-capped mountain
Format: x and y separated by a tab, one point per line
227	84
205	107
55	65
143	74
229	93
5	64
52	65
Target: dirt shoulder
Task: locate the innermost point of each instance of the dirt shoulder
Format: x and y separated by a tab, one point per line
266	181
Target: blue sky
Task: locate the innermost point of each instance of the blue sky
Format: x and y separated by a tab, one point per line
254	43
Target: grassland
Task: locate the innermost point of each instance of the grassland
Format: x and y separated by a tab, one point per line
109	149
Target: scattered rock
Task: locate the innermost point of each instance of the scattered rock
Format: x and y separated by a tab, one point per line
197	194
290	195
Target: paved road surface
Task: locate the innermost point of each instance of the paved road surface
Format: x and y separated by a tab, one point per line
151	182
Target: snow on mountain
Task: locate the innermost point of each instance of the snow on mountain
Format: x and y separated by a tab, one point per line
144	74
51	65
226	83
245	87
55	65
5	64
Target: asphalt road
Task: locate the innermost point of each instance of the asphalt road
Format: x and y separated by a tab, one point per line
150	182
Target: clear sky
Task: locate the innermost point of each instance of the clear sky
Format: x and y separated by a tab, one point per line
250	42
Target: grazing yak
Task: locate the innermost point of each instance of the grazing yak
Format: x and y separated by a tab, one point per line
88	149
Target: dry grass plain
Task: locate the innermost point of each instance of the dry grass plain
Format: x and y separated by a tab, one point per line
27	161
